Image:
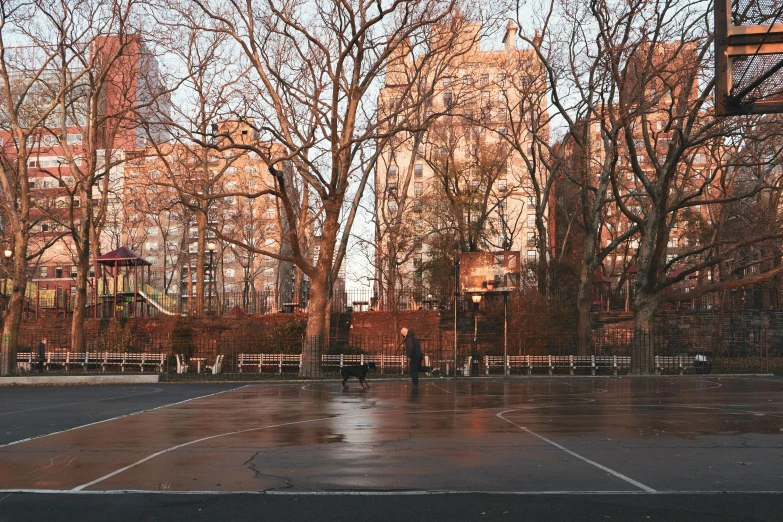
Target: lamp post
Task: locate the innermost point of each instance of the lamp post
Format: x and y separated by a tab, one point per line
476	298
211	248
457	248
7	253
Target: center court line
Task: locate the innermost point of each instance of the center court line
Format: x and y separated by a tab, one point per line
118	417
577	455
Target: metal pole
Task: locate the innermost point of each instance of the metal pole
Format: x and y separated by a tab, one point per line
505	335
456	302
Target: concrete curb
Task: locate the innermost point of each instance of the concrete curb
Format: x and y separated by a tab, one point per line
80	379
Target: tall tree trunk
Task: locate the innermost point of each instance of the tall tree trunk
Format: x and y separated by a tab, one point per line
317	314
584	305
82	270
643	352
13	316
201	223
542	256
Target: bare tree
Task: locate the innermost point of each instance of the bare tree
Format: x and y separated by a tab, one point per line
312	71
39	79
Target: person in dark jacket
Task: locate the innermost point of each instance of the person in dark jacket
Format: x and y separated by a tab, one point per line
414	353
40	355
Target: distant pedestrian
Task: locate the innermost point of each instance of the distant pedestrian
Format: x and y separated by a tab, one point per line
41	354
414	353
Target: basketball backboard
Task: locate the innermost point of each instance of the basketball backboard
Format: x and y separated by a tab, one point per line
482	270
748	57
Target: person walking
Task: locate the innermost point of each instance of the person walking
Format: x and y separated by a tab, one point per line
41	355
414	353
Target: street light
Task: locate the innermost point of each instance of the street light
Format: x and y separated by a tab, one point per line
7	253
474	366
211	247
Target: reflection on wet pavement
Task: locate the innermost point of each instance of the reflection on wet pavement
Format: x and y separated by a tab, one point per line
559	434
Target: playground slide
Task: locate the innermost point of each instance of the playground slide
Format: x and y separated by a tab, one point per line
151	300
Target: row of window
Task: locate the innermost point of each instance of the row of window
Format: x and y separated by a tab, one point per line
57	272
468	80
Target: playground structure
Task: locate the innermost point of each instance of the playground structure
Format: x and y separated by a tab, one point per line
122	289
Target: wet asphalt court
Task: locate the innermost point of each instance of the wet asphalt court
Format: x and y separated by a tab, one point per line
667	448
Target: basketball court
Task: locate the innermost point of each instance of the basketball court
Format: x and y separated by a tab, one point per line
663	447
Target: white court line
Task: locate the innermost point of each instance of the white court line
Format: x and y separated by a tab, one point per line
118	417
385	493
577	455
178	446
239	432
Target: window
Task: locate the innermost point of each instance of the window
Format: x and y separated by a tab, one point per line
531	256
502	186
418	170
418	188
502	114
229	257
151	245
502	131
73	270
270	213
231	170
44	272
74	139
446	82
250	169
152	232
417	261
391	174
230	272
484	80
58	272
417	224
467	80
502	79
474	184
447	100
531	220
531	239
417	205
392	207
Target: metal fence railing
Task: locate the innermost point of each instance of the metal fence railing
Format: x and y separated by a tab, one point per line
752	350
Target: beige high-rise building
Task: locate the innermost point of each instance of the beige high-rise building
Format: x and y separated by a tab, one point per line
450	172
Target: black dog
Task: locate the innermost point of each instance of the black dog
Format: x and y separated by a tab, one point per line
359	372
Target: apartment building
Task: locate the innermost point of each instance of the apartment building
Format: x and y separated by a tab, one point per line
449	174
649	114
132	110
166	185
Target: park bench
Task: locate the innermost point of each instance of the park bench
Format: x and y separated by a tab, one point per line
677	363
279	360
24	361
215	368
583	362
613	363
249	359
112	359
56	359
